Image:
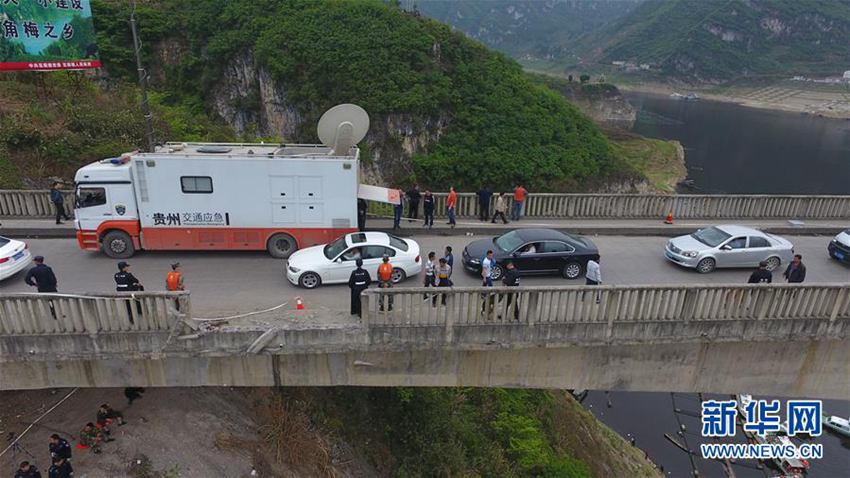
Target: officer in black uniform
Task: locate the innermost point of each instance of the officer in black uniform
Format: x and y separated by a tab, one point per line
61	468
125	281
358	282
362	207
511	279
59	447
27	470
761	275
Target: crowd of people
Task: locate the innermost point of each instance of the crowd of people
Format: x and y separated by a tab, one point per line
91	437
486	200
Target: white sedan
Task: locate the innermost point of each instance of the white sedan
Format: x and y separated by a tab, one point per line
14	256
332	263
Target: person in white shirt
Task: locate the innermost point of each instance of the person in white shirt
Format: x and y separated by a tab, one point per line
430	273
487	264
594	275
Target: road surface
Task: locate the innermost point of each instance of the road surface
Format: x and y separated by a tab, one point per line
224	283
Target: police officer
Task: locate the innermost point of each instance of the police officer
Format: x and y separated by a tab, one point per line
125	281
41	276
761	275
27	470
61	468
511	279
59	447
358	282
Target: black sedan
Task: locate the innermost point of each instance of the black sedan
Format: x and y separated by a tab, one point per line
533	251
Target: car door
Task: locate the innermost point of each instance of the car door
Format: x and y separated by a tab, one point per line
529	262
372	258
758	249
733	252
339	270
556	255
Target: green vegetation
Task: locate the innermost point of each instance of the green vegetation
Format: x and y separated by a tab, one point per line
500	128
657	159
54	122
700	40
410	432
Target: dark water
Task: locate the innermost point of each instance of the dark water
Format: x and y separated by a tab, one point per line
737	149
648	416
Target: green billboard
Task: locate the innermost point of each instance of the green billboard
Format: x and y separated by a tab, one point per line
47	35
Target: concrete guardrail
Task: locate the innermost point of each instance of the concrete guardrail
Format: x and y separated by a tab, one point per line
34	204
603	314
45	314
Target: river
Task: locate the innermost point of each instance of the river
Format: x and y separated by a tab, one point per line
732	149
737	149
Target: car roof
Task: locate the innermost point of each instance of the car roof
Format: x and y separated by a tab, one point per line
534	234
737	230
367	238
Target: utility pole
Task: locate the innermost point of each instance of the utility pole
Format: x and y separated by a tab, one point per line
143	79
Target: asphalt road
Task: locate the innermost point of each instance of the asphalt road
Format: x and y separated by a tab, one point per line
231	282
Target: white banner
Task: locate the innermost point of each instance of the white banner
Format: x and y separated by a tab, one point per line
377	193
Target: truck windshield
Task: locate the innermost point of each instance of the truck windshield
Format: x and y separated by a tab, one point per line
710	236
335	248
508	241
88	197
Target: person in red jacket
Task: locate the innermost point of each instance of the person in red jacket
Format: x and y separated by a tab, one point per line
519	198
451	203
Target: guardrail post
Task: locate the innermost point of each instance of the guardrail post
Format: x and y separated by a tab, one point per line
450	317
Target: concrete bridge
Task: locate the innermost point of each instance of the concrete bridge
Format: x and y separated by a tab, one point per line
761	339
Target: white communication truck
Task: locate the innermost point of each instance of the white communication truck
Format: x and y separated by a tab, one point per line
193	196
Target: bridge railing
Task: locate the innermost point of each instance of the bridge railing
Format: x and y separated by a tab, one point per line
36	203
40	314
624	312
646	206
32	203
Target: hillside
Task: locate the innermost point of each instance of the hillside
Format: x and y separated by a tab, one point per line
527	30
445	110
702	41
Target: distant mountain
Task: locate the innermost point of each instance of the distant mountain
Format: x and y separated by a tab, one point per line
525	29
712	40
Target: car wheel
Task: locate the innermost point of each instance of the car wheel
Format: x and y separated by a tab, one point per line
281	245
398	275
572	270
773	263
706	265
497	272
309	280
118	245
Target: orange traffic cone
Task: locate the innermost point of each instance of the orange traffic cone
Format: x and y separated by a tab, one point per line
669	218
299	304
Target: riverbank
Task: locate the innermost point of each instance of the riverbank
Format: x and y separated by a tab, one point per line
826	102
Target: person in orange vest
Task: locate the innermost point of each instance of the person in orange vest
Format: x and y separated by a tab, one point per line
519	197
385	280
451	203
174	279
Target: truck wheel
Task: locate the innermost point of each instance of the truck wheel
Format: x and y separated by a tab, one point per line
281	245
118	245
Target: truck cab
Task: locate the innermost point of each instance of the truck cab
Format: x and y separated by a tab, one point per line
105	212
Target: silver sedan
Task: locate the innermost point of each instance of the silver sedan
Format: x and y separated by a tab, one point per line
728	246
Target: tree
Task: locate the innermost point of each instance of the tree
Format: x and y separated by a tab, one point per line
584	78
570	78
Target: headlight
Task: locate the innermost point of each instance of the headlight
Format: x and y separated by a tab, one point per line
294	269
475	261
689	253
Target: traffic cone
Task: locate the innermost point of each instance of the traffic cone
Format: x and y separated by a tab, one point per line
669	218
299	304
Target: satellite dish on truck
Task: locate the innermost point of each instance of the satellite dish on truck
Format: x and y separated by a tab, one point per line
343	126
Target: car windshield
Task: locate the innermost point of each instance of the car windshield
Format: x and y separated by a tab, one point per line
398	243
335	248
711	236
508	241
